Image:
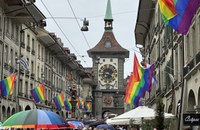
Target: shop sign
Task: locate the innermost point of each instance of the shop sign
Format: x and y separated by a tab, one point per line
191	119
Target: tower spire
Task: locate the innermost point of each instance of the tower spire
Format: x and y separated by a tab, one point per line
108	17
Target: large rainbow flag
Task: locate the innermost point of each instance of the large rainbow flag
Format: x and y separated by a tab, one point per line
185	9
167	8
59	101
133	80
139	83
68	105
38	93
7	85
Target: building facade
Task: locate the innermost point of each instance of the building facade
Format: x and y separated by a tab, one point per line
177	62
23	36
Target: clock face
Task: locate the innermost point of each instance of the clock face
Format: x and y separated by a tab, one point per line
107	73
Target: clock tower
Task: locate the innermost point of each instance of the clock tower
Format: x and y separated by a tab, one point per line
108	66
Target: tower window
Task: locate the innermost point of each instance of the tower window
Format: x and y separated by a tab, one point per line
107	44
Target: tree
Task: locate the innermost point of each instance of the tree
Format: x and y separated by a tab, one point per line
159	114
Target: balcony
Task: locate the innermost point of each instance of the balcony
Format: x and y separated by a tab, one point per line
187	68
21	70
20	94
32	76
6	66
27	73
22	44
26	95
197	58
28	48
33	52
12	69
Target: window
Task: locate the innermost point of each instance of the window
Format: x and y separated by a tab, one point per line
107	44
6	54
7	25
38	51
33	44
0	22
42	53
32	67
28	40
20	86
13	30
22	36
38	72
11	57
194	43
17	33
26	88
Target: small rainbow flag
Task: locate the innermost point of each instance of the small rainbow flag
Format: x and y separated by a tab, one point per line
79	104
68	105
59	101
7	84
38	93
89	106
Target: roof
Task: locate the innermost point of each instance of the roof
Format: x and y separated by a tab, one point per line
114	49
23	13
145	11
108	15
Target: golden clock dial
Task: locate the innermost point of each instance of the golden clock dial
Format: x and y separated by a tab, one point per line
107	73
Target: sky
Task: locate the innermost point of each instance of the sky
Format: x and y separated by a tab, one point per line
65	18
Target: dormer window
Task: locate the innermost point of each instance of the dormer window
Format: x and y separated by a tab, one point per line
107	44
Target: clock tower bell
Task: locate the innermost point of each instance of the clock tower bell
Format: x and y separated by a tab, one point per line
108	66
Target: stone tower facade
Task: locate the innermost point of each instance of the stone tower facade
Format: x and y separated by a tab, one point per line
108	66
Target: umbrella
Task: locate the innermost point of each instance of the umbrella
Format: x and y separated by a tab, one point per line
95	124
35	119
105	126
87	122
78	125
141	112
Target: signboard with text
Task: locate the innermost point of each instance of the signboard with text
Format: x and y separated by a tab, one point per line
191	119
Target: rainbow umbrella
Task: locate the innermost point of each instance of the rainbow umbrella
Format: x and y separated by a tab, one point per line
35	119
78	125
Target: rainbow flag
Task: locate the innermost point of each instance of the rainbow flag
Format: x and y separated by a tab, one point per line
59	101
139	83
186	9
144	85
133	80
86	106
38	93
79	104
68	105
89	106
7	85
167	8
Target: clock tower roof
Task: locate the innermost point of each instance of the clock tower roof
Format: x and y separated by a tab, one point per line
109	45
